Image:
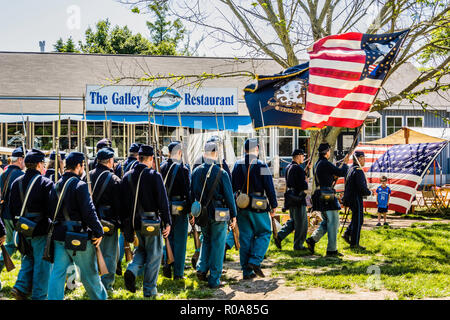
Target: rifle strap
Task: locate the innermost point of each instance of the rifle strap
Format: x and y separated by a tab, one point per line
61	196
208	174
103	188
30	186
172	180
213	188
136	196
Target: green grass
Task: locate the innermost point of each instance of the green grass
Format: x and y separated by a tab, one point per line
413	262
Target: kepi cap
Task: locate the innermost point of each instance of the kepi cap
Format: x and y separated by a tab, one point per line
74	158
146	150
34	156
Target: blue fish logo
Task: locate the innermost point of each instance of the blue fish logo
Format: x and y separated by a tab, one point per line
164	99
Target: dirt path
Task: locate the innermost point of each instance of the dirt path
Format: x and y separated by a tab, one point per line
275	288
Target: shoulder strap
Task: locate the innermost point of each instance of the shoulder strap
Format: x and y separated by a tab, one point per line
208	174
213	188
136	196
30	186
248	175
129	165
104	185
174	174
168	172
61	196
6	183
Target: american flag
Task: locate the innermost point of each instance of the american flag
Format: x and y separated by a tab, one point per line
345	74
404	165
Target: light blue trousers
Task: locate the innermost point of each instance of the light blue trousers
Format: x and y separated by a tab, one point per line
34	272
212	249
110	252
178	240
297	223
86	261
330	225
255	230
147	256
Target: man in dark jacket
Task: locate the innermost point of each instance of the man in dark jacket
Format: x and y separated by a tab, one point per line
34	189
355	190
254	223
324	175
7	178
145	207
106	196
296	184
177	181
75	217
214	228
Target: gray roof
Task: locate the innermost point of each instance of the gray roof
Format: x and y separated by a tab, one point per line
51	74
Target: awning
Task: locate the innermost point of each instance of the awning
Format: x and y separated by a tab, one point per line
208	122
413	135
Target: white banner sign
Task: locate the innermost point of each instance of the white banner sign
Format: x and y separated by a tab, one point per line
162	99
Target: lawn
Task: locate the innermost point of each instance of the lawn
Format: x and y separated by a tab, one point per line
412	262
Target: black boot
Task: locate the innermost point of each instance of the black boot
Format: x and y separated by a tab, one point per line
277	242
334	254
311	244
167	271
119	268
346	237
130	281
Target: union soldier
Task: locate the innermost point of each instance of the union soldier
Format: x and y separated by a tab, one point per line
296	184
76	223
106	196
355	190
12	172
50	172
325	201
216	194
177	181
145	206
28	203
222	164
120	171
254	220
100	145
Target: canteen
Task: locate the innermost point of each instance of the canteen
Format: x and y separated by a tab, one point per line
242	201
196	209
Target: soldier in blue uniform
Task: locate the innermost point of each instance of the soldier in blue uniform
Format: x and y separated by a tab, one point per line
324	174
120	171
296	184
77	232
177	181
106	196
100	145
50	173
254	221
34	272
207	186
355	190
7	178
223	164
145	206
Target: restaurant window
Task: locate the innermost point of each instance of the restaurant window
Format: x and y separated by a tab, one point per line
69	135
237	141
43	135
414	122
285	141
372	130
95	132
393	124
14	134
141	133
167	135
118	139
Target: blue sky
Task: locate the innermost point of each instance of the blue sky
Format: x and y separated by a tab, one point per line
23	23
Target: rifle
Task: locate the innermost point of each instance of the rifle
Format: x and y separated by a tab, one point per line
274	228
345	219
100	260
236	236
128	252
9	265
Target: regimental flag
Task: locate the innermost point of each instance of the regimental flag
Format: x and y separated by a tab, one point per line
346	71
279	99
404	165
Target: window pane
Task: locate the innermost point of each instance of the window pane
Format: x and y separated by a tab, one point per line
398	122
285	147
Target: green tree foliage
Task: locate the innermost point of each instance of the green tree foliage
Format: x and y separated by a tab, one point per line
69	46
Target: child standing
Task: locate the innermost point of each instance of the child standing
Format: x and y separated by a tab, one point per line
383	196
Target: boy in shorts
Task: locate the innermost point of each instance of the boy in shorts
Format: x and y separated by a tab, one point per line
383	196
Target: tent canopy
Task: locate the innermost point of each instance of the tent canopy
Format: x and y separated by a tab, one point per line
414	135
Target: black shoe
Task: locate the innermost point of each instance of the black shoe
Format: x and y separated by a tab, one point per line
334	254
221	285
178	278
18	295
194	260
346	237
277	242
357	247
130	281
256	269
311	244
386	224
201	276
250	276
167	271
119	268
